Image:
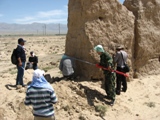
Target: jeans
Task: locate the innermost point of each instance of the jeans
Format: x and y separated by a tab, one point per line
20	73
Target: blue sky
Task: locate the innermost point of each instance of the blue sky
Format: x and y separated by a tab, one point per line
29	11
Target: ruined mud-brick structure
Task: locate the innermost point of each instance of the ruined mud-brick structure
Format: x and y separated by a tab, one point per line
136	26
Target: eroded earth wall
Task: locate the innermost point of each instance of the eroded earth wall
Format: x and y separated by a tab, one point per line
93	22
147	35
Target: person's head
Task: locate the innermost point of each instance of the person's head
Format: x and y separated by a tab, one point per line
38	73
120	47
21	41
32	53
64	56
99	49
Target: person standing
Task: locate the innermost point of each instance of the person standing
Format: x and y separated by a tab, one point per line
21	56
120	59
107	62
41	96
67	67
33	59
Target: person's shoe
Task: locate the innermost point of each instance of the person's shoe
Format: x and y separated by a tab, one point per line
107	97
123	90
24	85
18	87
112	102
118	92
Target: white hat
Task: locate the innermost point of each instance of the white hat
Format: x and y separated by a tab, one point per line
38	73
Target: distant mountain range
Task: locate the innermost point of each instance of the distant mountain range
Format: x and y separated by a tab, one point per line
34	29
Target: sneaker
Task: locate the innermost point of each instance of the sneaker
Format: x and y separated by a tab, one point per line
18	87
118	92
107	97
112	102
24	85
123	90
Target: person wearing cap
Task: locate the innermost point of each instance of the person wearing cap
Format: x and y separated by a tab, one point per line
120	58
21	56
41	95
107	62
33	59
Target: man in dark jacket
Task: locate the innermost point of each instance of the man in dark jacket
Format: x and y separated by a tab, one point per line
21	56
106	61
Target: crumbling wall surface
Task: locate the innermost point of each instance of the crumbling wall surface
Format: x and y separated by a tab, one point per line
93	22
147	35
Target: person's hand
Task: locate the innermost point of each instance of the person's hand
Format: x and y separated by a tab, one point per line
20	64
113	55
109	68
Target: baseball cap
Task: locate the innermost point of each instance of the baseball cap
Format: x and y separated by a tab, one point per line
21	40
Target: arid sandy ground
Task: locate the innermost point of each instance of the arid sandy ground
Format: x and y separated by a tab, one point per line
78	100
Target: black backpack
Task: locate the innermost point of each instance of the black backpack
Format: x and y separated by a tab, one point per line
14	59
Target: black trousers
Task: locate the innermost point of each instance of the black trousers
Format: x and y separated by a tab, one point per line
121	81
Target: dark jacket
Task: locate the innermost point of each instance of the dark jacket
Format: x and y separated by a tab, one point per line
34	60
20	52
106	61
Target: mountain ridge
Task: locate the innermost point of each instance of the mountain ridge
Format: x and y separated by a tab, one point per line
34	28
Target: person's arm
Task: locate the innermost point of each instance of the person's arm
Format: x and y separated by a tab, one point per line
159	58
19	56
53	97
36	59
27	99
61	65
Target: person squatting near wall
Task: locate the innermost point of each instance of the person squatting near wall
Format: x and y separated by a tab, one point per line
67	67
41	96
21	56
107	62
120	59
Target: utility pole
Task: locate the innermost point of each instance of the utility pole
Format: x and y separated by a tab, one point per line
44	29
59	26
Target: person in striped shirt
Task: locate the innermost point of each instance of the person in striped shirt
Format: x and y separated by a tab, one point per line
41	96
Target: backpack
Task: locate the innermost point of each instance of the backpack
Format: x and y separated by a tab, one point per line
14	57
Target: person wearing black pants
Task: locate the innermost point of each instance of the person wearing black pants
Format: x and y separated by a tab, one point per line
120	59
